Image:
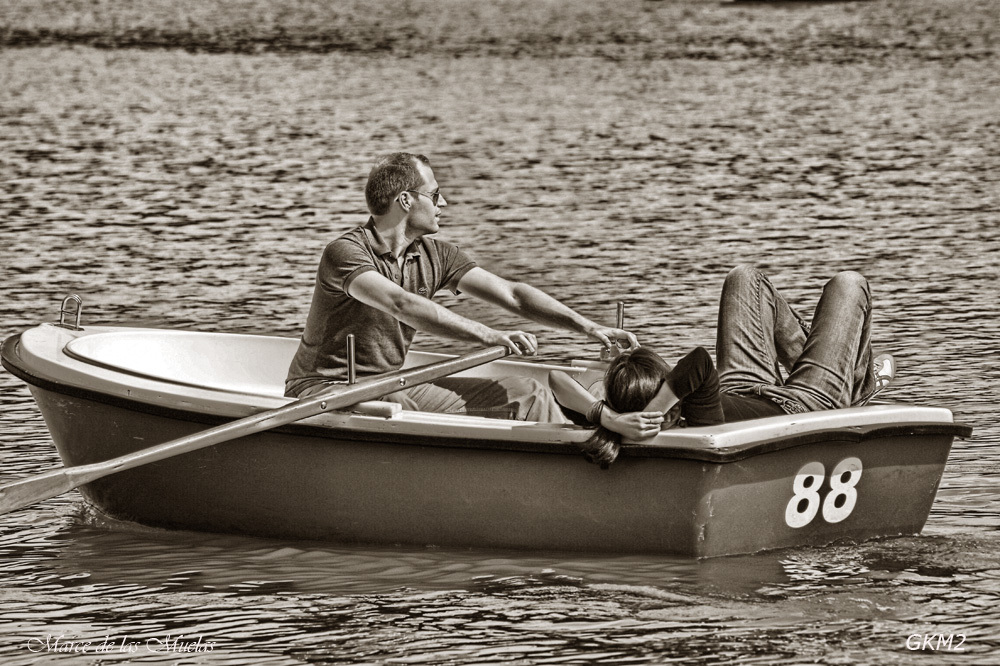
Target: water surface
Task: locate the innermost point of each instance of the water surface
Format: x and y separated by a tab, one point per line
196	190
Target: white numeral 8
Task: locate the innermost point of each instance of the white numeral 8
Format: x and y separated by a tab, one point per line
804	505
837	505
842	498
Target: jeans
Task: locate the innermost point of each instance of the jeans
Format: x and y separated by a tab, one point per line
519	398
829	363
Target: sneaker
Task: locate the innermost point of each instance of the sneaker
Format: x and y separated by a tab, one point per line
884	370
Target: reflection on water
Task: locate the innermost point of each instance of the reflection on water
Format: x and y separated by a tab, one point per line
197	191
275	602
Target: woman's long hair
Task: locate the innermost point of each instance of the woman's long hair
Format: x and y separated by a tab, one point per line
631	381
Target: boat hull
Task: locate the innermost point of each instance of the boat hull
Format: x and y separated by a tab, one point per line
315	482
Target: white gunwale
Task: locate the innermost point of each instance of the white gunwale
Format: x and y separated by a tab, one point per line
181	369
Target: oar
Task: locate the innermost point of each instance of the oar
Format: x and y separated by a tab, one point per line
26	492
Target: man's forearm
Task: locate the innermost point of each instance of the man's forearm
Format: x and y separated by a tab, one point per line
538	306
427	316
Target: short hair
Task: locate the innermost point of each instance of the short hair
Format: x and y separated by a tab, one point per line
392	174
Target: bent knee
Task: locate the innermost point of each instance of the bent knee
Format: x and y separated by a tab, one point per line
519	388
527	383
849	280
743	274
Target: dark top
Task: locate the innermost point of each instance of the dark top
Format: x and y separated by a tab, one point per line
381	340
696	382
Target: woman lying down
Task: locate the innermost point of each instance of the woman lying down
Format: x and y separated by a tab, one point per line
829	365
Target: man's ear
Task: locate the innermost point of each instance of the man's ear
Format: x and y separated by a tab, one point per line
405	200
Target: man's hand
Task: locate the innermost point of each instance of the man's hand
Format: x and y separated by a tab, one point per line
519	342
527	301
614	339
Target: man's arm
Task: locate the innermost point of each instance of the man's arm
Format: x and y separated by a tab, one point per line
534	304
425	315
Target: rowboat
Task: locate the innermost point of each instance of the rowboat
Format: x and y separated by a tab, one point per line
377	474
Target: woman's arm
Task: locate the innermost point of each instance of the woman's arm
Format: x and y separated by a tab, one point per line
630	425
569	393
639	426
664	399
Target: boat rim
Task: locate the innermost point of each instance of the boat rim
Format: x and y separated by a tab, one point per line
10	359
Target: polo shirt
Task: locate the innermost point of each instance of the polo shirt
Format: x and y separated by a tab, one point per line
381	341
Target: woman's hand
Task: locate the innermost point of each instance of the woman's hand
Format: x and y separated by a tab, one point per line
672	418
634	426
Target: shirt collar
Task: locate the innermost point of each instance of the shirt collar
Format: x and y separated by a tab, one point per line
380	247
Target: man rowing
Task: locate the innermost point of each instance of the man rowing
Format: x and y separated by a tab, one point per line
377	282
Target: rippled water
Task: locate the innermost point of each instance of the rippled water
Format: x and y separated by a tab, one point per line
196	191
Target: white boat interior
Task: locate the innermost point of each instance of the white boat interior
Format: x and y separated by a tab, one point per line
235	375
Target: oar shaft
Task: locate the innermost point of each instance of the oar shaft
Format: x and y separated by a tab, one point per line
338	398
25	492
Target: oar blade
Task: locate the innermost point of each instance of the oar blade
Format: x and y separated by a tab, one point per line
26	492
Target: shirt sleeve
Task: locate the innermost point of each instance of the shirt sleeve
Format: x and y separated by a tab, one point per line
694	372
454	264
343	260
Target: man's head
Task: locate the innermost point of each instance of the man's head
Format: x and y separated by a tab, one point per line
391	176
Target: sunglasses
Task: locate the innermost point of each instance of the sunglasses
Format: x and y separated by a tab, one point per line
434	196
